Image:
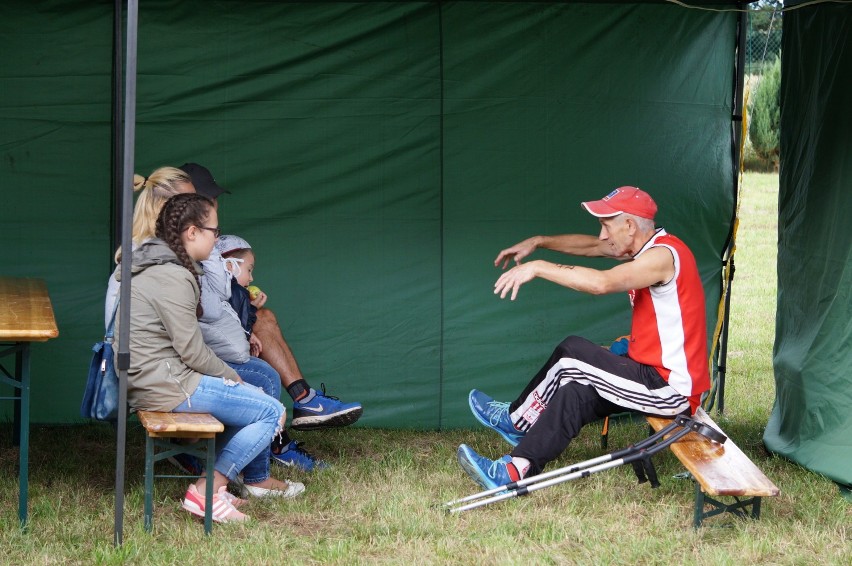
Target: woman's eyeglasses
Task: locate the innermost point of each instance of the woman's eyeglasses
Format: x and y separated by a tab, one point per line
216	231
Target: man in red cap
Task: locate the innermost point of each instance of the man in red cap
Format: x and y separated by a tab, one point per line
665	371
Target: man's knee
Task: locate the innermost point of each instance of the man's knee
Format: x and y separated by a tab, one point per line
574	345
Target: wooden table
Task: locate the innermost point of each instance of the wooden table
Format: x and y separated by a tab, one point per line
26	316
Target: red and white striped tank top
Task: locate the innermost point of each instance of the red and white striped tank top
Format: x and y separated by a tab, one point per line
669	328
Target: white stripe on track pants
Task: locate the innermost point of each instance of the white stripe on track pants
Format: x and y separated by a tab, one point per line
581	383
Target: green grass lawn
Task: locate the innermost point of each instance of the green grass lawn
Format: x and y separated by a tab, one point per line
377	504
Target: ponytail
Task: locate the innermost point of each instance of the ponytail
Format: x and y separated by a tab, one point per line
139	182
153	190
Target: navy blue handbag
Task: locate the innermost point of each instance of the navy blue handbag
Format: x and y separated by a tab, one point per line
100	400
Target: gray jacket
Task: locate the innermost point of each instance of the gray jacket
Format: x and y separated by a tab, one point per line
167	352
220	325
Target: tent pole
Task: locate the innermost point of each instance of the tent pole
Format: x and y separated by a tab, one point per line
117	158
739	88
126	245
117	129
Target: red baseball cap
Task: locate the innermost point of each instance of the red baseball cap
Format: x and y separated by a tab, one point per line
631	200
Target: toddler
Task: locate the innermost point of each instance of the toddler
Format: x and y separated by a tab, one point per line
238	261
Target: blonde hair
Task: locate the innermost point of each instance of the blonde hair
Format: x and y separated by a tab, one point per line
154	190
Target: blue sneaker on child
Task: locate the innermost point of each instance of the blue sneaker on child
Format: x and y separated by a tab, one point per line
495	415
324	411
487	473
293	455
187	463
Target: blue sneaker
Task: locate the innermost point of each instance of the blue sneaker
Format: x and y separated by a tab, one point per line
487	473
494	414
324	411
294	456
187	463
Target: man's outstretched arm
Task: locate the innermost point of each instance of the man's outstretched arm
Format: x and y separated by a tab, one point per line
653	267
571	244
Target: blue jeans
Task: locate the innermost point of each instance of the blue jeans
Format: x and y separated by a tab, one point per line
260	374
251	420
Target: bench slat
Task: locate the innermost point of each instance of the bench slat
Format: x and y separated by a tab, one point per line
721	469
174	424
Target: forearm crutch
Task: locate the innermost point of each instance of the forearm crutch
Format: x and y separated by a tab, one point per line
638	454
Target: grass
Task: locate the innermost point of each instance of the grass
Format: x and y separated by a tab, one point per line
377	504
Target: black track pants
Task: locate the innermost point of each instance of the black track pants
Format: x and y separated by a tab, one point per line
581	383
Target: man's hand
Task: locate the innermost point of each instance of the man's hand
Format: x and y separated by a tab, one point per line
516	252
514	278
255	346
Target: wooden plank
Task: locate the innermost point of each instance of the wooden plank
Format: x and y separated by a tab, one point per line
26	314
721	469
202	425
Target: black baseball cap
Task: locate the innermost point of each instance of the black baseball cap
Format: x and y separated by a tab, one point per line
203	180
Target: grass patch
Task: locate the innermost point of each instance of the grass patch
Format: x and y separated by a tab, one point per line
377	504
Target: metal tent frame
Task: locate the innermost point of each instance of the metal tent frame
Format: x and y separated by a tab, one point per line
124	134
124	153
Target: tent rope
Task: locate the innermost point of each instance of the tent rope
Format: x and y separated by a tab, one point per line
728	262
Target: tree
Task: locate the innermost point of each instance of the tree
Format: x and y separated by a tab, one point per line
764	128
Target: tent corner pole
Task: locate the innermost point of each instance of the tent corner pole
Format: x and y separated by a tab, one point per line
737	118
123	358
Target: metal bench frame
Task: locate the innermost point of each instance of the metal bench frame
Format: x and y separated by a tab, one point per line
159	446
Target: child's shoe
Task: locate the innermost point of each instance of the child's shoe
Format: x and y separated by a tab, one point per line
187	463
292	455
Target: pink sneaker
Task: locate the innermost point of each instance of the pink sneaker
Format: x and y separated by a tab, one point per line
223	510
234	500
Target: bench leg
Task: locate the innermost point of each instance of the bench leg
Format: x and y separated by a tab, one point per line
168	448
208	508
738	508
755	508
149	483
698	513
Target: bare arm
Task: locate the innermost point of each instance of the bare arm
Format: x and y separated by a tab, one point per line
654	266
572	244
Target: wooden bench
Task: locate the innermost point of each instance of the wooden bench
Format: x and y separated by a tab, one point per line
719	470
160	429
26	316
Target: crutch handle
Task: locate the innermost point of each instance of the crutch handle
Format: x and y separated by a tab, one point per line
703	429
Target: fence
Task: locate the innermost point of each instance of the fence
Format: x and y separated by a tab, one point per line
763	47
763	40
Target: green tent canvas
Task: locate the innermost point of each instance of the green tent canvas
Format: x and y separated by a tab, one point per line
811	422
379	156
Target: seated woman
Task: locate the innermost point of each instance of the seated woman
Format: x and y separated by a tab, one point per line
171	368
154	190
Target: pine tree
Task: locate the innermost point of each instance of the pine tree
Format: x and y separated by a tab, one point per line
764	129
